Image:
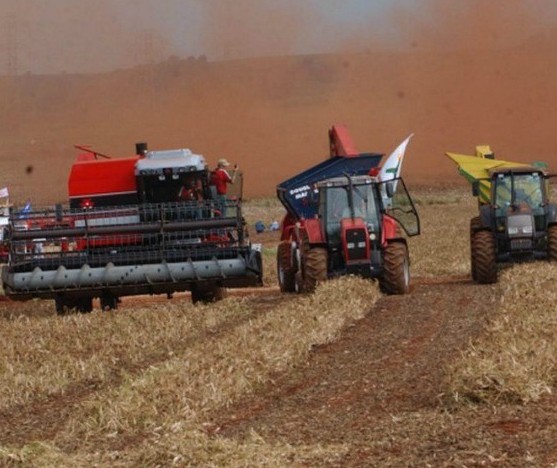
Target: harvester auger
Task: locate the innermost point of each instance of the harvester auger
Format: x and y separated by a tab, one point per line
343	217
124	233
516	221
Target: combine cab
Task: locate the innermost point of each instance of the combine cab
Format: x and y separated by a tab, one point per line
516	221
142	225
343	218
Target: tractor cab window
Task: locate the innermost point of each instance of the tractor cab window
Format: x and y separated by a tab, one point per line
503	191
518	189
169	188
529	189
337	207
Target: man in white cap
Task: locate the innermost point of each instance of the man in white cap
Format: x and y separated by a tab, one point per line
220	179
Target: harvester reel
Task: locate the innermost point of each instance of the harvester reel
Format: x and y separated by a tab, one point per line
396	269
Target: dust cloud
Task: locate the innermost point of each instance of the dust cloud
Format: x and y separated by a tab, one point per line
455	76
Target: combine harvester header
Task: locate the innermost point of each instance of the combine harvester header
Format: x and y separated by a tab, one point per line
148	224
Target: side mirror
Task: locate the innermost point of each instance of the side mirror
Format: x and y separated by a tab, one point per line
475	188
390	189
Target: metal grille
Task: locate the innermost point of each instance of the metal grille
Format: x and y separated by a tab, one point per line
145	234
521	244
356	244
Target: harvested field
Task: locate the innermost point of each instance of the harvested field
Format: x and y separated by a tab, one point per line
453	374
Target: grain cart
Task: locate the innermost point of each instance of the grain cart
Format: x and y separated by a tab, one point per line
126	231
344	218
516	221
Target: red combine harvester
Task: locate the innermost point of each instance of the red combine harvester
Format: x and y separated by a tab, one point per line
149	224
343	217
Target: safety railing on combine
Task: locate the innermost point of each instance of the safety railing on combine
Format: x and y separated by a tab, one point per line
127	235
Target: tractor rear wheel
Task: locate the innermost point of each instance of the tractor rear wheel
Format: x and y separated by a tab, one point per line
314	266
396	269
552	243
484	257
475	224
286	267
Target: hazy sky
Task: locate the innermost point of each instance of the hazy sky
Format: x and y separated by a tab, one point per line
49	36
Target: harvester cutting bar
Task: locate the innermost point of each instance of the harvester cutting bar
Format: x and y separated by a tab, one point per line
168	243
41	283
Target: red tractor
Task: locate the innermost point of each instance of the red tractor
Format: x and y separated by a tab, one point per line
149	224
343	219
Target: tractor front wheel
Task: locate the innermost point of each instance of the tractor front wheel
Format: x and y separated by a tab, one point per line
286	267
484	257
552	243
314	266
396	269
475	224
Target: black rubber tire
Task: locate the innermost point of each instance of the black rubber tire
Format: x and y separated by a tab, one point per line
475	224
314	268
286	267
109	302
61	307
552	243
484	255
207	295
82	305
396	269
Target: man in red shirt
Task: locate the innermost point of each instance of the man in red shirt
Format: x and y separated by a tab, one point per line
220	179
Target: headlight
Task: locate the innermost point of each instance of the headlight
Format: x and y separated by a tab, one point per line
513	231
372	236
527	229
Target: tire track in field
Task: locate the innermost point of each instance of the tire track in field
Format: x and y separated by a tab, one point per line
389	362
42	418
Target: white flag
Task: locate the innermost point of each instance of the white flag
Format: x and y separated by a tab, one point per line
4	192
393	164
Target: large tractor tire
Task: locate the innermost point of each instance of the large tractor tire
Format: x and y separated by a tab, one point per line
552	243
109	302
207	295
396	269
484	257
475	224
314	268
286	267
82	305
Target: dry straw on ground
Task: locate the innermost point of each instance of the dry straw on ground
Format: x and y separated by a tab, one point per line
515	358
161	373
